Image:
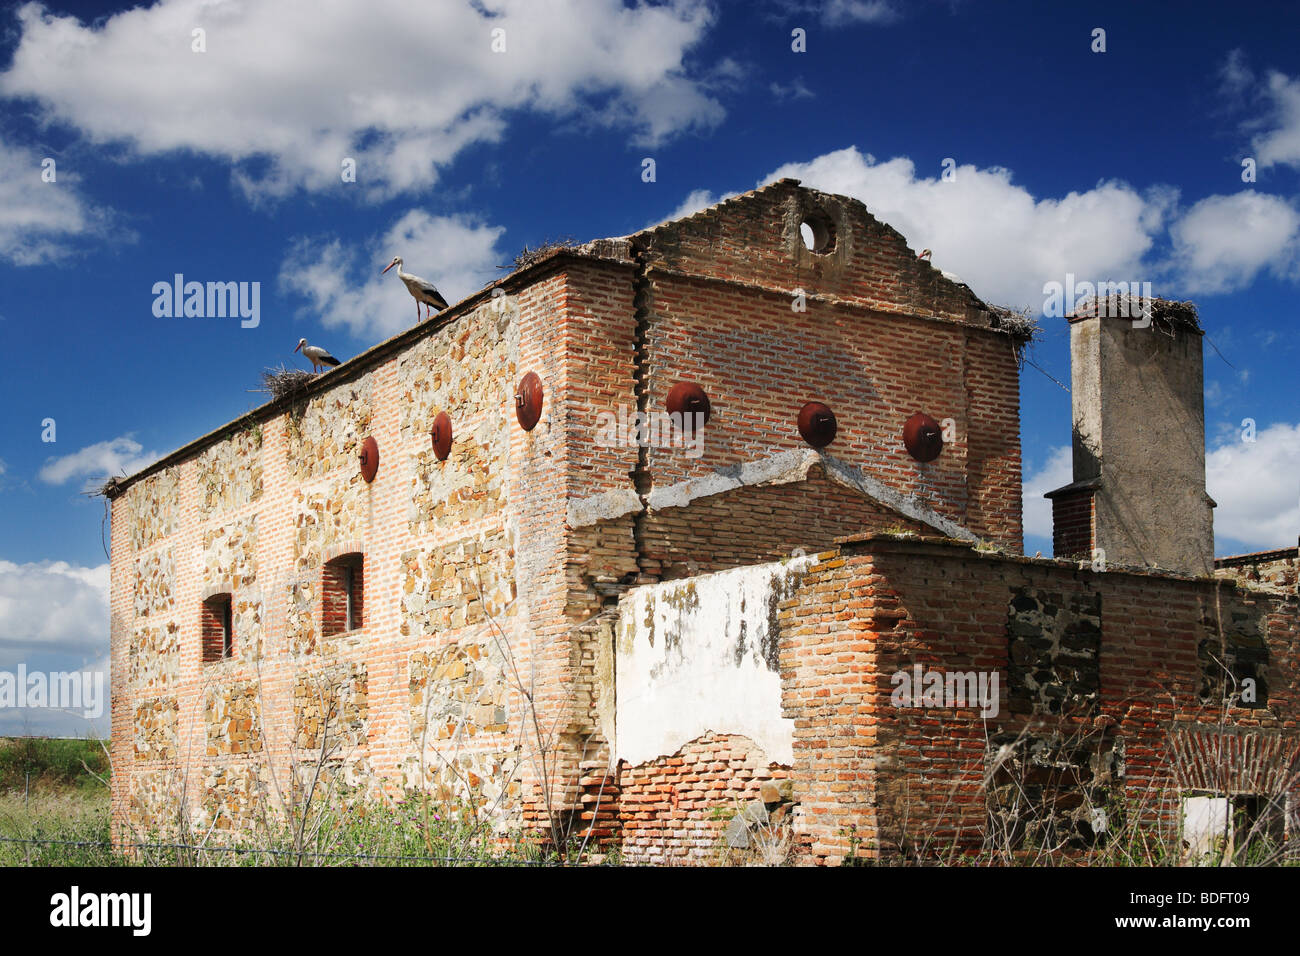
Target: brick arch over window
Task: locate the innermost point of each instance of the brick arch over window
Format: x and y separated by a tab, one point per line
343	594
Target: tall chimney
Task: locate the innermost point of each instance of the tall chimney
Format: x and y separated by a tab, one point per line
1138	497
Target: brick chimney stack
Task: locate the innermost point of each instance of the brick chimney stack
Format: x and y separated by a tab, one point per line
1138	496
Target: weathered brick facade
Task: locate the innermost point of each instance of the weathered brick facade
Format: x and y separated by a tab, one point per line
493	643
1106	665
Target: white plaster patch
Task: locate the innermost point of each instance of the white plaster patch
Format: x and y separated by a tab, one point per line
697	655
791	466
602	507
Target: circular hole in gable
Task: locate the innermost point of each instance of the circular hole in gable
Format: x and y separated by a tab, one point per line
818	233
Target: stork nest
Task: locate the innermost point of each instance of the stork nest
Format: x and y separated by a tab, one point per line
283	381
530	254
1165	315
1020	324
110	489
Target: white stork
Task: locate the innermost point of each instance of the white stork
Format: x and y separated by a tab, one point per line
423	290
316	355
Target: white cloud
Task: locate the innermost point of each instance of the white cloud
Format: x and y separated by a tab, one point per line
1222	242
1057	471
52	607
997	236
1006	244
1254	483
1235	74
1257	487
696	200
40	221
844	12
1276	105
345	289
1281	144
288	89
796	90
115	457
50	612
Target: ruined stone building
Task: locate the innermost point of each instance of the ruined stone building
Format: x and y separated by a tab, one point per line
440	566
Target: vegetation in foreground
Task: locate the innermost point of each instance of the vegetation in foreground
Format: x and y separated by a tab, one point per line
54	811
55	794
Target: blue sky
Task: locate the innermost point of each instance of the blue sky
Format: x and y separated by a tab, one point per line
224	165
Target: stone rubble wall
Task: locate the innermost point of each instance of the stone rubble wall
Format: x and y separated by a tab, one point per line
327	431
331	710
230	473
155	658
232	716
230	555
155	584
257	515
153	509
1278	572
155	729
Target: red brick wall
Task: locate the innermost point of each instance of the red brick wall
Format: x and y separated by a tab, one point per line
882	336
1072	525
754	525
676	809
755	238
760	362
914	778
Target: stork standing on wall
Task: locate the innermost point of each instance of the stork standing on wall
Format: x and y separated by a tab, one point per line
316	355
423	290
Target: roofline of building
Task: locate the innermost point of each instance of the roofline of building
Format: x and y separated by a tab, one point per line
1083	484
597	250
791	183
362	363
889	541
1255	557
785	183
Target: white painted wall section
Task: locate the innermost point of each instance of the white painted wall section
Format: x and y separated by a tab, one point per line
700	655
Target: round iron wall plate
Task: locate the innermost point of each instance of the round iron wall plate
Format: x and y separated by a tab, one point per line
688	399
369	459
528	401
441	436
817	424
923	437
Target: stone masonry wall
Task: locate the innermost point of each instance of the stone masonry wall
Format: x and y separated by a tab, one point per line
257	515
1275	570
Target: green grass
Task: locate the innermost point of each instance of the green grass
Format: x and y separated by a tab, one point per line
54	793
54	790
68	817
49	764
